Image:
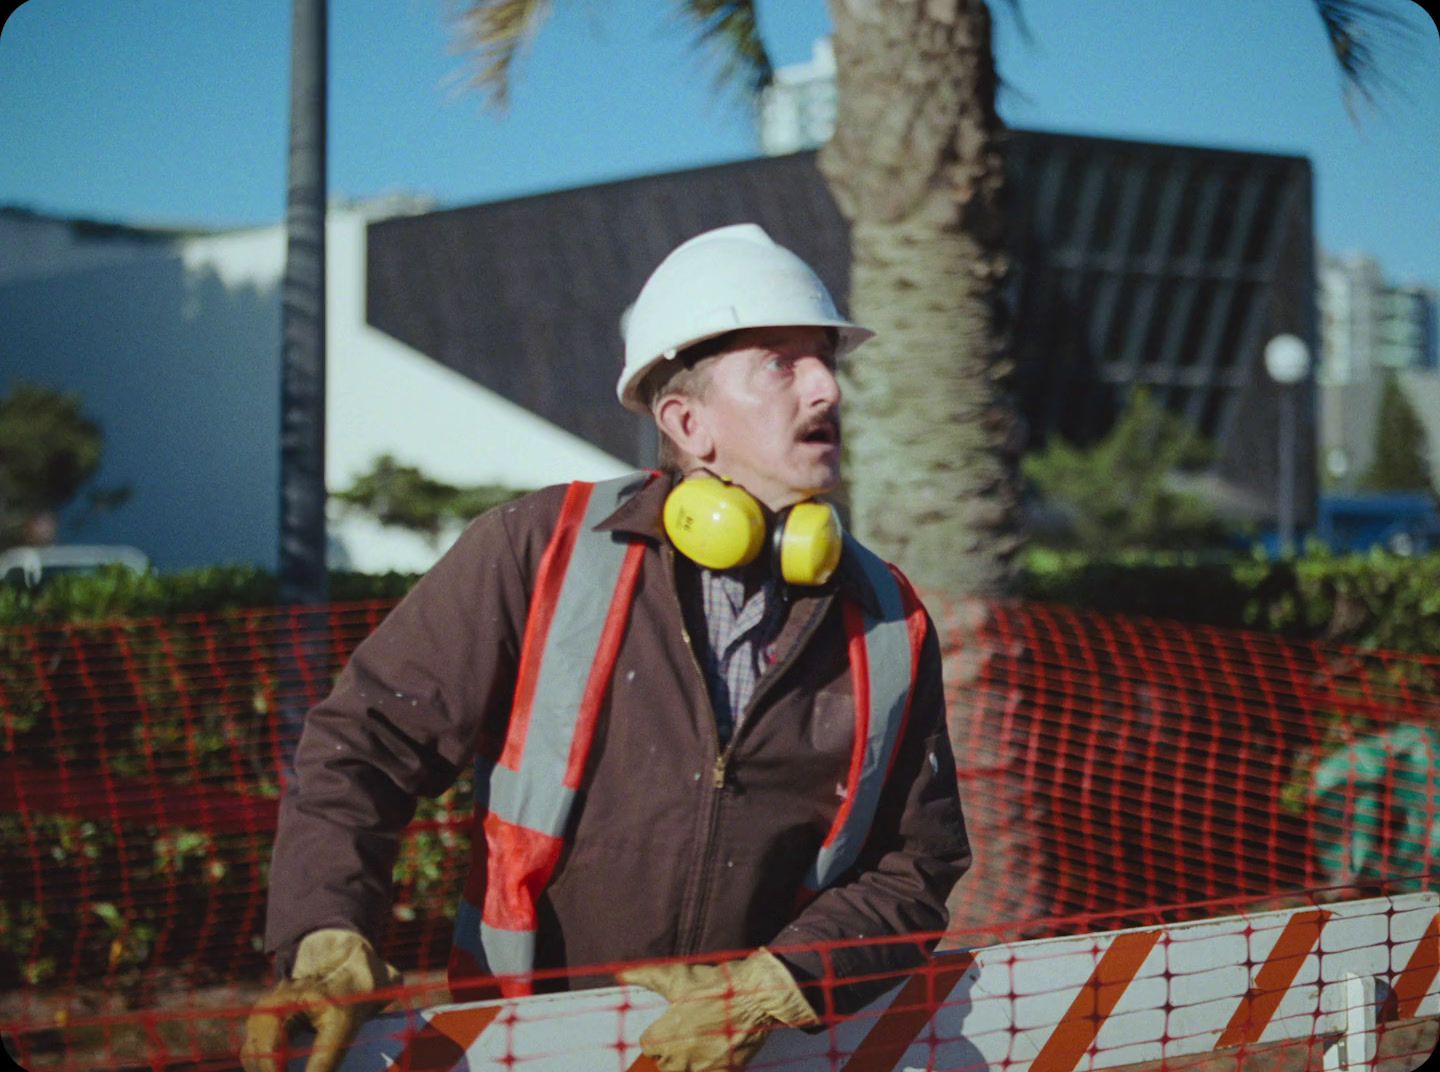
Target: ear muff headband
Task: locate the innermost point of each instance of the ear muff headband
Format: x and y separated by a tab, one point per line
721	526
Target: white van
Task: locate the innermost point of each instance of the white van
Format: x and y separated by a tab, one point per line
25	566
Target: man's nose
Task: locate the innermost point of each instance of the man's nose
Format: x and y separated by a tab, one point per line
821	384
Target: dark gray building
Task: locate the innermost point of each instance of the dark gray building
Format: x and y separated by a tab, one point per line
1135	263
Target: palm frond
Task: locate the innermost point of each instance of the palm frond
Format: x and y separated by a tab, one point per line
495	32
1022	24
1356	29
730	30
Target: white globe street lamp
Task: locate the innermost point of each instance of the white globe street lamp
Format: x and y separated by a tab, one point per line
1287	360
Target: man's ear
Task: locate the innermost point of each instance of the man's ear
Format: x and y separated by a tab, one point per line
680	419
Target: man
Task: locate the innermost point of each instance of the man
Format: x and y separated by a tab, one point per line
734	748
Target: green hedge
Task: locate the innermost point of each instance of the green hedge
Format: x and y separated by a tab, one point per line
116	592
1374	600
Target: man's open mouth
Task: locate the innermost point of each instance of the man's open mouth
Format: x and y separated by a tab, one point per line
827	434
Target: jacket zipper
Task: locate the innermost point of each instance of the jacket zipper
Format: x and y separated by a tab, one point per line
691	939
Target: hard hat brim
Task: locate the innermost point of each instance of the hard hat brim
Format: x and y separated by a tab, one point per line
850	336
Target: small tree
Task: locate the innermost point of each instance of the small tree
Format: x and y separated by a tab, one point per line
403	496
1401	445
49	451
1119	494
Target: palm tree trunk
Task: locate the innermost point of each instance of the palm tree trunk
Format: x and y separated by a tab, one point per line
916	167
303	577
931	432
302	572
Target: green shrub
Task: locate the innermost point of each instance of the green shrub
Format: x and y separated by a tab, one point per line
115	592
1376	600
1121	491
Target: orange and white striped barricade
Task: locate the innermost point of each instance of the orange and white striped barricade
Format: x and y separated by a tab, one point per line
1053	1005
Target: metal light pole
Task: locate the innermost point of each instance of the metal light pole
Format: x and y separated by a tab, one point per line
1287	360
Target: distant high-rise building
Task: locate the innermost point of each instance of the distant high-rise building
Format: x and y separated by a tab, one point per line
1349	287
1368	327
1406	335
1368	324
797	110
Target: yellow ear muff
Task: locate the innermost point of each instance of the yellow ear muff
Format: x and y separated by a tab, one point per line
809	542
714	523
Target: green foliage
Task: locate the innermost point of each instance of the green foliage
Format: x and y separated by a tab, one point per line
1376	600
157	915
117	592
1118	494
403	496
1373	600
495	32
114	592
731	31
49	451
1359	31
1401	448
105	900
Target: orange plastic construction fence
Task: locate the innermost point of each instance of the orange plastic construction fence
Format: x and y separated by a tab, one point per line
1115	772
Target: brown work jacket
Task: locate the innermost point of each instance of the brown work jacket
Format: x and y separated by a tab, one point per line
675	846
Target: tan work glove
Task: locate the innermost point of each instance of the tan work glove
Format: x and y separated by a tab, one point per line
333	971
718	1016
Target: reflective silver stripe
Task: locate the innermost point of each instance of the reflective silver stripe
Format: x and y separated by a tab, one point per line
508	952
887	651
535	796
543	806
467	934
529	797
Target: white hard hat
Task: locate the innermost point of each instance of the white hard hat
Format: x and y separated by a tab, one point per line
720	281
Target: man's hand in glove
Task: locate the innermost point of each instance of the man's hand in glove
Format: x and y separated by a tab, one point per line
718	1016
334	970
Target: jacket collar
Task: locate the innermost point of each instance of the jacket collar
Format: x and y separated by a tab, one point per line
642	514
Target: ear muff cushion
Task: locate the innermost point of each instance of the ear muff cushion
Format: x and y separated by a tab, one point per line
716	524
810	543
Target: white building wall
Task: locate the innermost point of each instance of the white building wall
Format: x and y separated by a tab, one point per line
383	397
176	351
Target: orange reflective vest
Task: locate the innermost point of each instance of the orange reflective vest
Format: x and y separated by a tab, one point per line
573	631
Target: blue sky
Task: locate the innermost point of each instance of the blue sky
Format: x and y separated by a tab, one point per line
175	112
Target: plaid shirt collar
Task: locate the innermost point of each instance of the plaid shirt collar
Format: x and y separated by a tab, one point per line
740	632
